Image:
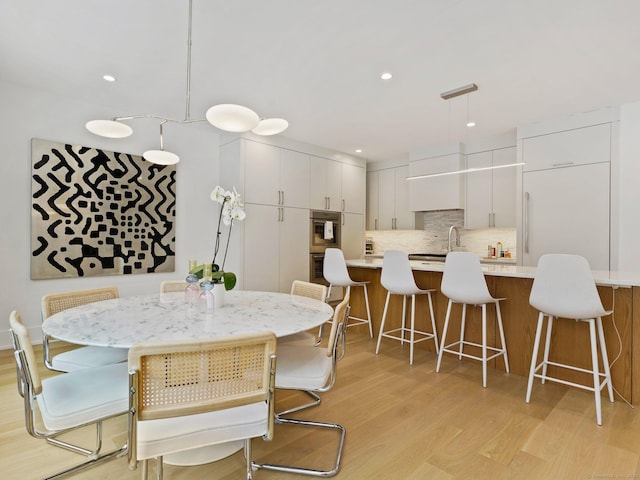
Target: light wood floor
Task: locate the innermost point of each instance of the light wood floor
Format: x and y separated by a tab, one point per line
402	423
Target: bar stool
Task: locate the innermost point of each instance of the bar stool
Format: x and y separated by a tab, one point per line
563	287
397	278
334	270
463	282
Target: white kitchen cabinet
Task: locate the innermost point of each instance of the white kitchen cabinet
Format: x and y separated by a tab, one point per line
325	184
276	247
352	243
388	199
491	194
275	176
445	192
566	210
372	199
578	146
353	188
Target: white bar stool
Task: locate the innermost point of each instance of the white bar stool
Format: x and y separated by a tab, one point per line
563	287
463	282
335	272
397	278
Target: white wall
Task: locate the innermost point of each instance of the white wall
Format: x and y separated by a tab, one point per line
27	114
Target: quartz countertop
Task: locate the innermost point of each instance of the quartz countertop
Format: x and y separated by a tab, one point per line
601	277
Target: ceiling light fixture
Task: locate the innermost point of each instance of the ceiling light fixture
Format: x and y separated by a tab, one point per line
467	170
447	96
386	76
109	78
227	117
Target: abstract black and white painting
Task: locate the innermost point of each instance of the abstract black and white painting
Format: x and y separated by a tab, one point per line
96	212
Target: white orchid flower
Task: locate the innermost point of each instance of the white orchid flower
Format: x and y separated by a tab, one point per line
218	194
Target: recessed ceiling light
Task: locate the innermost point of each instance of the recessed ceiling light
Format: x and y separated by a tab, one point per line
471	124
386	76
358	150
109	78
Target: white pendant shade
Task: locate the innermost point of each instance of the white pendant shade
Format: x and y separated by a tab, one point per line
232	118
161	157
271	126
109	128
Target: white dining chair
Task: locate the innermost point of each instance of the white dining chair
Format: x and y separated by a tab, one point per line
194	393
463	282
80	357
563	287
309	290
312	370
397	279
56	405
171	286
335	272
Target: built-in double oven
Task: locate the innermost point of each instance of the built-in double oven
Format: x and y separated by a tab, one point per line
325	233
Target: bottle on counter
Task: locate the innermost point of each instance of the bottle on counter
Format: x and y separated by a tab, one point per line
205	299
499	251
489	251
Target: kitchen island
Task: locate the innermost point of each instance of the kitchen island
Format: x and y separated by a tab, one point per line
619	292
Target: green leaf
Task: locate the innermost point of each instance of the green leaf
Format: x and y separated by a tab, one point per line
229	280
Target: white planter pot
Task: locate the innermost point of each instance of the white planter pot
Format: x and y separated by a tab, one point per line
218	295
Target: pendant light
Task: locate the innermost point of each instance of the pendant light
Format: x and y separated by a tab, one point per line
465	90
228	117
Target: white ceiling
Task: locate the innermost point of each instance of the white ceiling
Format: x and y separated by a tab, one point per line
317	63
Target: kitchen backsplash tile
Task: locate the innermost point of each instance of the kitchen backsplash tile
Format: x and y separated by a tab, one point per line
434	237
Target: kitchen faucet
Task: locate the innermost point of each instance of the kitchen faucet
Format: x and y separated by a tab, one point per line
453	228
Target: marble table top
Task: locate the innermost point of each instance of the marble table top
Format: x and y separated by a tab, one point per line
125	321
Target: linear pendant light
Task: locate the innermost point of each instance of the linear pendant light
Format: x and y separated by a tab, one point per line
456	92
227	117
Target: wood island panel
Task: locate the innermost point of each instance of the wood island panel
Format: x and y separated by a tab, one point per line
569	341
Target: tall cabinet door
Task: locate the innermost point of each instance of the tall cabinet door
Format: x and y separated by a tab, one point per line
566	210
352	235
294	179
479	199
261	246
262	173
372	200
504	188
293	247
386	199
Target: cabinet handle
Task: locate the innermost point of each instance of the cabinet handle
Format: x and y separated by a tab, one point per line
343	215
282	201
493	216
490	219
375	224
343	205
328	203
563	164
526	222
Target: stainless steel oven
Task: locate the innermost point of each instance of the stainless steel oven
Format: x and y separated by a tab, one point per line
316	266
325	231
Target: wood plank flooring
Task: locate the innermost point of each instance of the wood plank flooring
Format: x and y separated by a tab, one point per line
402	423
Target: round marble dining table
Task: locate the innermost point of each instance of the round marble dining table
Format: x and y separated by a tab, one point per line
123	322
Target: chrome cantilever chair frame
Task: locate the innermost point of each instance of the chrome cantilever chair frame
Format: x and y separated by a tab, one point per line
29	394
338	342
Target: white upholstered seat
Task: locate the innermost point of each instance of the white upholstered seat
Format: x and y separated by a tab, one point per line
86	356
194	393
68	401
